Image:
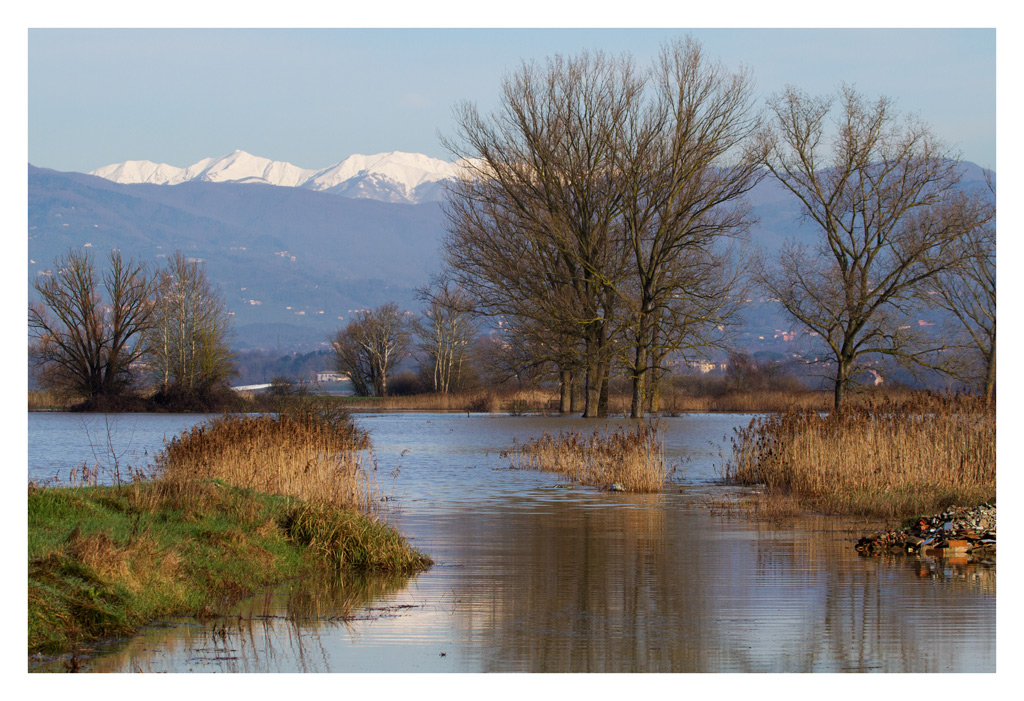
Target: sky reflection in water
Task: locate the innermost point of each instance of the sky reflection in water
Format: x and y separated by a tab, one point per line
537	578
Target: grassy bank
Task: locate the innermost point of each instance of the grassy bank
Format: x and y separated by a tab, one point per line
632	458
890	460
236	507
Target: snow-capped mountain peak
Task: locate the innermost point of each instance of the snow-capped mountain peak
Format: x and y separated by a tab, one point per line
395	176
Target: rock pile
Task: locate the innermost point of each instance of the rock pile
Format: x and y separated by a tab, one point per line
956	534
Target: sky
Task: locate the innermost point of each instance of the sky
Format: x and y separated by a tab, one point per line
312	97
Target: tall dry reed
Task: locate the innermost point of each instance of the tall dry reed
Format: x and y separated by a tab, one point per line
632	457
890	459
288	455
43	400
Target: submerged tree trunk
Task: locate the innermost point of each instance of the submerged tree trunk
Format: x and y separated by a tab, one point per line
636	405
590	409
602	402
653	385
576	394
565	391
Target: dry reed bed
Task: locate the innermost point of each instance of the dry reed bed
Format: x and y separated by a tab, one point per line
889	460
632	457
42	400
284	455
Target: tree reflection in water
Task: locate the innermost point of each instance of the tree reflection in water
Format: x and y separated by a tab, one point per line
657	587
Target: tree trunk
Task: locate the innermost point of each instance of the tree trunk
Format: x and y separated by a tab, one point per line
595	374
590	409
654	391
565	390
842	382
576	394
602	402
990	377
636	405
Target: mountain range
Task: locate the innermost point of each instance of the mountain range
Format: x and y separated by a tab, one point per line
410	178
296	251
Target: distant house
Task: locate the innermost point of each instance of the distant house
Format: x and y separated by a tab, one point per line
704	366
331	376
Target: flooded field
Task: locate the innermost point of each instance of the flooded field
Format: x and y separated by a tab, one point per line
533	575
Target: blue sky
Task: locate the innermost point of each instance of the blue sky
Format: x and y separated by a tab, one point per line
313	97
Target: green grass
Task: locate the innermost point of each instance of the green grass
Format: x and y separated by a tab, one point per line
104	561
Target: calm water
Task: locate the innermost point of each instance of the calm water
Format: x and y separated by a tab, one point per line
59	444
535	577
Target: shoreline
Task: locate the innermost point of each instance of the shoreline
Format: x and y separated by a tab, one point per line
105	560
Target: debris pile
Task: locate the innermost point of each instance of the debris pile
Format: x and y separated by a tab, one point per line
956	534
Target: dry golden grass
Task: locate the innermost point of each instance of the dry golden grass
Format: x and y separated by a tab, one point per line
42	400
282	455
632	457
889	460
483	400
745	402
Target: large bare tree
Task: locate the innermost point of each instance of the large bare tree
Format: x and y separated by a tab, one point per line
85	344
531	223
883	192
682	170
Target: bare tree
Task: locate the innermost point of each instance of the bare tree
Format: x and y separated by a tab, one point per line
968	291
682	171
530	226
886	201
596	206
85	345
351	358
446	333
189	340
370	346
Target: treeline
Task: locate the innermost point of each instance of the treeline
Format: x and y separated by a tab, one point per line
131	338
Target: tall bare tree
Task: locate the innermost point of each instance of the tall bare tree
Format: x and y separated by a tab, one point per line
370	346
85	345
883	192
530	225
189	340
682	171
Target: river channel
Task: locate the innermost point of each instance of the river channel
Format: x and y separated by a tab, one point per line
533	575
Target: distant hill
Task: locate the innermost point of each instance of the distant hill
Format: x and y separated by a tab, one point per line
293	262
